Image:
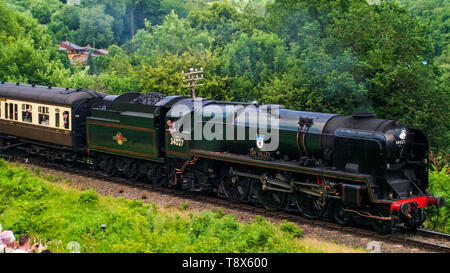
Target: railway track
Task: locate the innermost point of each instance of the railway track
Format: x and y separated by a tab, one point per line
433	234
415	239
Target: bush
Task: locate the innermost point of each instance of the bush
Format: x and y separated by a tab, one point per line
439	160
292	229
88	197
184	206
439	186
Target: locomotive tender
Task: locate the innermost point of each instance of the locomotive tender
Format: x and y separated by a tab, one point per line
324	165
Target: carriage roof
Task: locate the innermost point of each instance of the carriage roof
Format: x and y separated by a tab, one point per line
46	94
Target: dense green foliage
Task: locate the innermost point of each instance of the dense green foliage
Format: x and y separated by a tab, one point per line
440	186
57	214
26	50
339	56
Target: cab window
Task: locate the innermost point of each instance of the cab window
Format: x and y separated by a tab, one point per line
43	115
27	111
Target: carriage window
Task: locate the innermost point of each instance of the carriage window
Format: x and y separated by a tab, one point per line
11	111
57	117
16	112
27	113
66	119
6	110
43	115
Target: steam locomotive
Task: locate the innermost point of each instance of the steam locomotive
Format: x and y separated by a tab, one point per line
345	168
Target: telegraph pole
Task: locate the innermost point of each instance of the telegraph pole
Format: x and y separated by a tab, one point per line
192	77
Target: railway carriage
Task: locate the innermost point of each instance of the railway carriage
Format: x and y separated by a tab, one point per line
47	121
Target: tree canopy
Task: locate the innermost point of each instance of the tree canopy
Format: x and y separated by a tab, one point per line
341	56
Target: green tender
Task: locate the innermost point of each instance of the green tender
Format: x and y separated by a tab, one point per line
127	133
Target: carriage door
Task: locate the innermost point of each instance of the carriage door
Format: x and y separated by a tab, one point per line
16	112
13	111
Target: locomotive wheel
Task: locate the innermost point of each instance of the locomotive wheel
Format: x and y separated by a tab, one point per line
271	200
340	215
309	206
410	225
236	188
160	177
416	220
130	170
382	226
69	163
422	216
107	165
96	162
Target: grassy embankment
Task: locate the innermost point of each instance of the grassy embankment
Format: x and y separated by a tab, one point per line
52	212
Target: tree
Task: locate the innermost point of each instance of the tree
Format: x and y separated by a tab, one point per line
42	10
220	20
252	60
116	62
95	27
64	23
26	51
174	37
435	13
390	52
116	9
318	82
180	7
131	7
164	75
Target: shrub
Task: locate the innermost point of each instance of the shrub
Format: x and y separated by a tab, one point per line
292	229
184	205
88	197
219	213
439	186
439	161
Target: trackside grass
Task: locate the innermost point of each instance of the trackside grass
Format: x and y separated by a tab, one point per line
55	214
